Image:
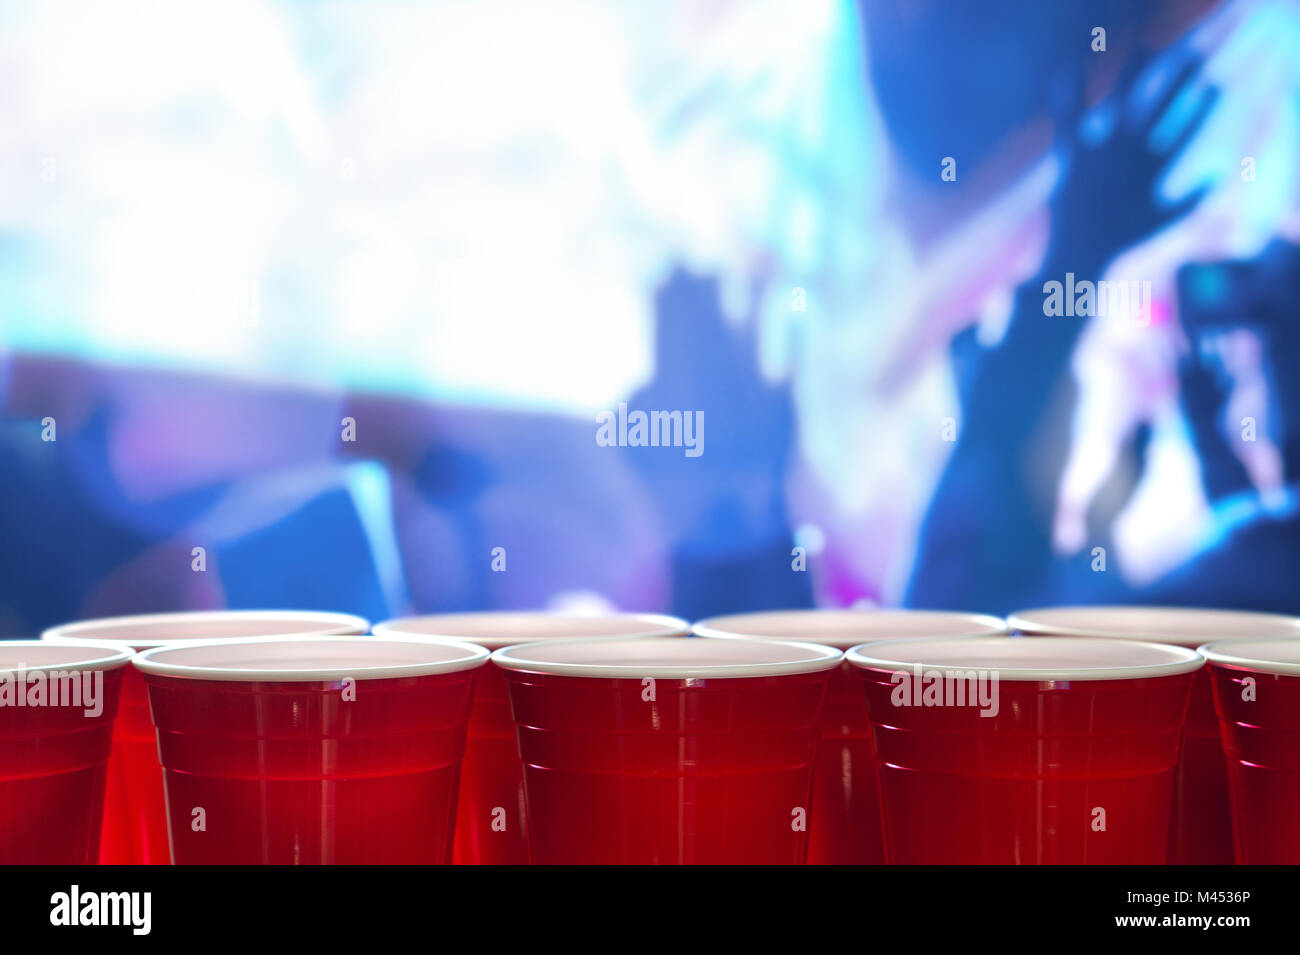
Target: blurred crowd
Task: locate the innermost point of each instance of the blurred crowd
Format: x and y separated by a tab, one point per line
316	305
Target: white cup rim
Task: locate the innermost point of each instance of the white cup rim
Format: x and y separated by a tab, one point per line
1145	660
1260	654
110	655
493	626
1109	622
847	627
329	623
153	661
780	660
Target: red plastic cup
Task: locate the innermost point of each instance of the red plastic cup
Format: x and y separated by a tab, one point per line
1200	827
648	752
844	824
57	706
135	810
1005	750
492	816
1257	694
311	750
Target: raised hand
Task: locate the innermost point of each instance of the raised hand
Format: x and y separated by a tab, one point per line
1107	201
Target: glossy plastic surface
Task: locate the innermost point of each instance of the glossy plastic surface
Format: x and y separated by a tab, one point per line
1077	772
53	765
844	828
1261	738
135	808
678	771
1200	823
1200	827
1200	831
298	773
491	822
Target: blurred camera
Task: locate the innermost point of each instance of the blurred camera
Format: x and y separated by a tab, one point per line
1241	319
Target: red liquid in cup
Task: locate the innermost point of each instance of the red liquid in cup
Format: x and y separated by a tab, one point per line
845	823
1025	786
713	771
292	773
1261	739
491	822
53	763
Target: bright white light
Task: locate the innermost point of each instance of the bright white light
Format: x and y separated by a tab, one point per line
580	603
811	538
472	201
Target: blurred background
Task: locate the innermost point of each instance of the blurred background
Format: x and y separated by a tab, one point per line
318	305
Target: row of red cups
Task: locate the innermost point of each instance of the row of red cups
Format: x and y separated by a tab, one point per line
598	740
1092	748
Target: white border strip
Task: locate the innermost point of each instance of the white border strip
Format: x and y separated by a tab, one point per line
819	658
860	626
492	623
149	661
1216	651
1030	624
331	623
1181	660
113	656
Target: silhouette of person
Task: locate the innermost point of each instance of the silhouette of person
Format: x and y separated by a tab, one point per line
986	541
